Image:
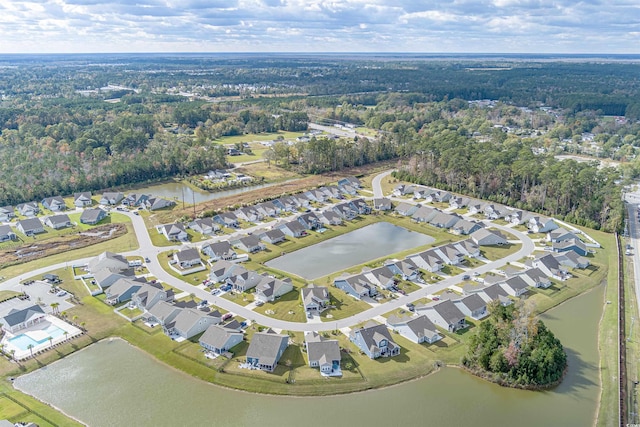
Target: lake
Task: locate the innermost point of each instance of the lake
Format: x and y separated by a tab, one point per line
353	248
112	383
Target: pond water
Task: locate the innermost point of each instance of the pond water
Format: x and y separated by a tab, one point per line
353	248
178	191
112	383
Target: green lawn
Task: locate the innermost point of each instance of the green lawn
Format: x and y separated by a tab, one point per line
242	299
287	307
345	306
494	253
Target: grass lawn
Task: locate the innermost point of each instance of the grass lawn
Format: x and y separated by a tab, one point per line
269	172
287	307
407	286
494	253
192	279
344	306
5	295
131	312
252	137
242	299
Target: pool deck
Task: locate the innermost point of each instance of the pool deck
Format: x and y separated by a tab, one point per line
37	332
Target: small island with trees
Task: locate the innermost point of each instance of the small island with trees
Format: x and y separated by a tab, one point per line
514	349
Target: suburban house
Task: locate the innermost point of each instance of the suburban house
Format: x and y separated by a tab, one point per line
18	319
82	200
162	313
315	299
204	226
424	214
444	314
333	191
536	278
473	306
272	236
356	285
155	203
468	247
271	288
575	245
350	180
427	260
111	261
323	354
150	294
92	216
58	221
30	226
495	293
360	206
382	204
458	202
316	195
485	237
218	339
515	286
560	234
6	233
266	349
403	190
375	341
6	213
329	217
135	200
539	224
346	211
418	329
111	198
55	203
249	244
348	189
227	219
444	220
248	213
405	269
474	207
571	259
28	209
292	229
517	217
309	221
187	258
269	208
550	266
286	203
219	250
464	227
382	277
244	281
190	322
406	209
221	270
122	290
174	232
449	254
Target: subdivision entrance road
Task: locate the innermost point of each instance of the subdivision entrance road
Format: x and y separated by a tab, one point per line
148	250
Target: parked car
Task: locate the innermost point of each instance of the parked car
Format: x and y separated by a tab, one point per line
215	291
466	277
227	316
61	293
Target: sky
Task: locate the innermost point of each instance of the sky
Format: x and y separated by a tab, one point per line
431	26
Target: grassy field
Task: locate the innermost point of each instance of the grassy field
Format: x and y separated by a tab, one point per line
287	307
344	306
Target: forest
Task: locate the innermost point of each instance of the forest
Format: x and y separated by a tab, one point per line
487	127
515	349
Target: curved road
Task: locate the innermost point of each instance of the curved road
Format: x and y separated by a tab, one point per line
148	250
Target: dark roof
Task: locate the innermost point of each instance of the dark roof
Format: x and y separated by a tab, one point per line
15	317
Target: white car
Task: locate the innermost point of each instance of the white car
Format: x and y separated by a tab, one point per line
61	293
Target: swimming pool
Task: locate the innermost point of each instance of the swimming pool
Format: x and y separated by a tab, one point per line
36	338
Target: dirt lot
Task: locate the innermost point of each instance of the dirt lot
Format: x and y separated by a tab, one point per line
39	249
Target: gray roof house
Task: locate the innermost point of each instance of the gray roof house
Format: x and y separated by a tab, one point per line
187	258
190	322
249	214
221	270
406	209
539	224
204	226
346	211
515	286
272	236
111	198
309	221
155	203
424	214
468	247
81	200
122	290
464	227
135	199
292	229
485	237
219	339
271	288
28	209
382	277
444	314
323	354
330	217
245	281
18	319
427	260
55	203
550	266
58	221
357	285
266	349
495	293
174	232
350	180
149	295
361	206
227	219
30	226
536	278
92	216
449	254
573	245
560	234
473	306
219	250
382	204
249	244
112	261
6	233
571	259
315	298
375	341
6	213
418	329
405	268
444	220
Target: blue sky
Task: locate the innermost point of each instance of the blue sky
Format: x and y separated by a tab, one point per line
475	26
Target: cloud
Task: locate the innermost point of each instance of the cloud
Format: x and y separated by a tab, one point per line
320	25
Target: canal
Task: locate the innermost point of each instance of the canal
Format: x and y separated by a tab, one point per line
112	383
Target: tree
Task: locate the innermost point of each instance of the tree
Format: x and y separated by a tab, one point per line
54	306
50	341
30	347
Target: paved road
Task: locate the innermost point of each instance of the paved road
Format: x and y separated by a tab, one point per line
376	184
148	250
634	239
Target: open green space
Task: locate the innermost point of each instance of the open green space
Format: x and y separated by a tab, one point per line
287	307
342	306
